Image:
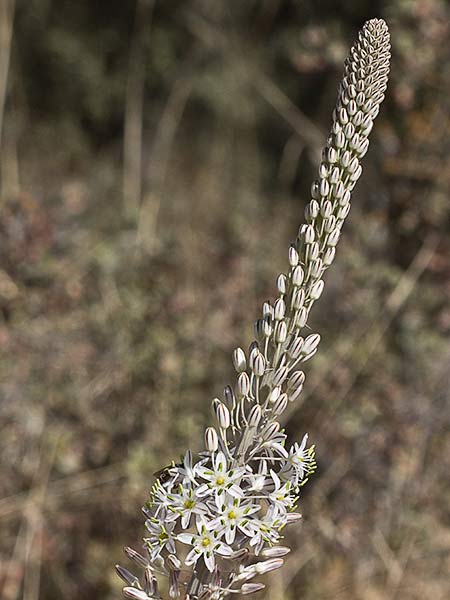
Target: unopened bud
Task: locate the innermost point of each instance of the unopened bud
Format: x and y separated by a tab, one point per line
281	283
309	234
174	562
333	238
134	594
239	360
293	256
223	416
279	309
279	406
228	396
211	439
255	416
279	376
259	365
297	276
317	289
275	551
127	576
295	347
270	430
268	565
242	385
298	298
251	588
293	517
296	380
311	343
280	332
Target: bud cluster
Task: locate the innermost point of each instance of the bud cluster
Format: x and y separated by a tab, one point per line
215	523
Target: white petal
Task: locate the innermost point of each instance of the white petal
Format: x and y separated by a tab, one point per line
208	557
192	558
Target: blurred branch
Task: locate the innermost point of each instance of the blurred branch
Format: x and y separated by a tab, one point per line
159	160
312	135
61	488
134	106
7	8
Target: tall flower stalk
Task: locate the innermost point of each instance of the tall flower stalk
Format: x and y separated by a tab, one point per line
215	522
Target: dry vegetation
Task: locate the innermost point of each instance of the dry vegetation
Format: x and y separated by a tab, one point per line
154	169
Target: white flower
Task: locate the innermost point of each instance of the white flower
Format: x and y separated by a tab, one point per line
234	515
187	471
275	445
206	543
300	462
258	481
185	504
161	536
220	479
281	499
265	530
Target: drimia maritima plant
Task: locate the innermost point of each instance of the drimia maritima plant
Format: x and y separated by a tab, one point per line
215	522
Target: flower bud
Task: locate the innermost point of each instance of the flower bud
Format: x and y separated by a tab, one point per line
280	332
296	380
311	343
223	416
293	517
274	394
302	317
267	310
255	416
298	298
251	588
309	234
211	439
326	209
270	430
281	283
293	256
324	188
228	396
242	385
312	209
279	309
173	562
127	576
259	365
317	289
275	551
279	406
314	251
239	360
297	276
295	347
279	376
268	565
134	594
329	255
333	238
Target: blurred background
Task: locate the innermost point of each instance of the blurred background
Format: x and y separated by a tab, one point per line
156	158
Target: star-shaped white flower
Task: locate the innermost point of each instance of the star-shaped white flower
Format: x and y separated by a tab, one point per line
185	504
234	514
161	536
205	543
220	479
300	462
281	498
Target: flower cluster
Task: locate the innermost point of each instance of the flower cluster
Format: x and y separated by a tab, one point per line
216	522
